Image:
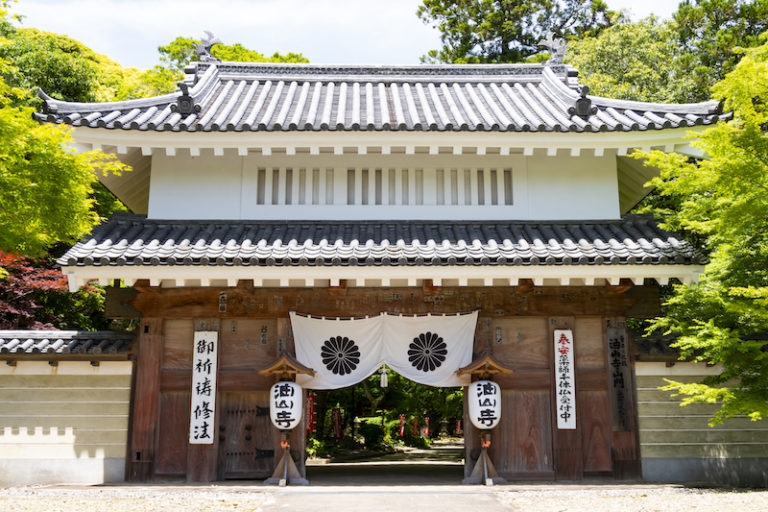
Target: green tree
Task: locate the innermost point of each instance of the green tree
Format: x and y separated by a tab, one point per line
498	31
675	61
180	52
725	199
711	33
634	61
65	68
46	187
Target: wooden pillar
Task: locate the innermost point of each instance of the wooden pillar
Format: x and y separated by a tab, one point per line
202	459
566	444
145	401
626	445
471	439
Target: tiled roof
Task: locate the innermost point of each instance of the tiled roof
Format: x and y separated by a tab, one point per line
136	240
243	97
65	342
654	347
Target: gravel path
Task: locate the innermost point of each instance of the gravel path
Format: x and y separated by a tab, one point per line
656	498
512	498
130	499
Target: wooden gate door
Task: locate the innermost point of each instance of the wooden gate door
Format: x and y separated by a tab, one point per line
246	436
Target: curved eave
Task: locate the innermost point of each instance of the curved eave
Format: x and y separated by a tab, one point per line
377	276
54	106
361	142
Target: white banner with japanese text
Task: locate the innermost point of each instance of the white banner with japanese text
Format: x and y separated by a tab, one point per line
565	383
426	349
203	405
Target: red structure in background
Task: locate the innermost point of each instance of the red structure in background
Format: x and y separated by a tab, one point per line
310	413
338	430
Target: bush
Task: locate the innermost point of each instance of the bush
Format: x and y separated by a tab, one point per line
408	439
371	431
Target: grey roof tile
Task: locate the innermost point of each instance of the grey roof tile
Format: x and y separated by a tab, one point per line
136	240
91	343
228	96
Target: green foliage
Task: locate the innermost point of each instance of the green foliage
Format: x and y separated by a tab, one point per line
55	63
65	68
238	53
177	54
633	61
314	446
497	31
372	432
417	400
724	199
674	61
45	185
154	82
712	33
105	204
369	401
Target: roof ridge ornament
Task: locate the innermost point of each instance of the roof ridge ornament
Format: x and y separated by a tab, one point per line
203	48
583	107
185	104
556	47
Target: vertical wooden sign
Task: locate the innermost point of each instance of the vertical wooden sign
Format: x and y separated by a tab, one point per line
565	389
616	334
203	407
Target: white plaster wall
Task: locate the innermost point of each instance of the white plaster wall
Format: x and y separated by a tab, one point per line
65	423
678	445
225	187
201	187
564	187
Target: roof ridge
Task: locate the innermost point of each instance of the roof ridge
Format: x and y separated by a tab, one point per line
378	68
138	217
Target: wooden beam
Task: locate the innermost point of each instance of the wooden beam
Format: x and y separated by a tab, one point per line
496	301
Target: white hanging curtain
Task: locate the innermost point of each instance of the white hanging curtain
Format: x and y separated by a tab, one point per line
429	349
426	349
342	352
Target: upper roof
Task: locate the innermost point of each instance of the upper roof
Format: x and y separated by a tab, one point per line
243	97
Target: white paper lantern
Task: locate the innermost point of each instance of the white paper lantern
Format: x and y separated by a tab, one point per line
484	398
285	405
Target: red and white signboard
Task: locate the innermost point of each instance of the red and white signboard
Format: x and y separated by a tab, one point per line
203	405
565	388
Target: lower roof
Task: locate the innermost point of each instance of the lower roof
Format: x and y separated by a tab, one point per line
133	247
136	240
93	344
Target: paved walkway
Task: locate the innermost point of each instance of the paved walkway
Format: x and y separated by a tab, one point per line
385	498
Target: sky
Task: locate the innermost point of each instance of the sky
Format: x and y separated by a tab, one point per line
325	31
